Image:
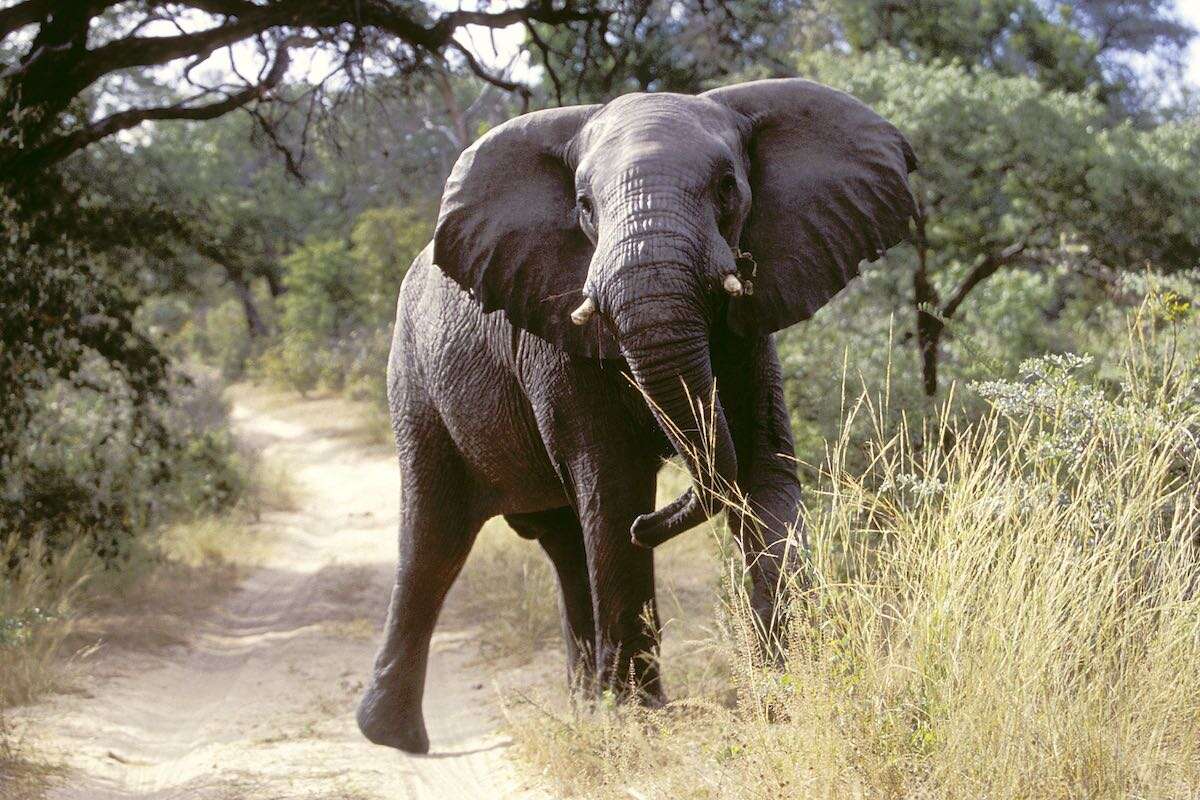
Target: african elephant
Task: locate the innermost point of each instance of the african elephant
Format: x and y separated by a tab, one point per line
585	285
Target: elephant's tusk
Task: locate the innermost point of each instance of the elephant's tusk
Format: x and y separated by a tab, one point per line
733	285
581	315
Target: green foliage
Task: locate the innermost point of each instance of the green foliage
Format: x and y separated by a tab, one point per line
1012	177
1074	47
335	318
226	338
1142	186
294	361
84	470
665	46
385	241
321	303
61	303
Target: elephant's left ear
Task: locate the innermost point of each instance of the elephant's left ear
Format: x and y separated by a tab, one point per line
829	189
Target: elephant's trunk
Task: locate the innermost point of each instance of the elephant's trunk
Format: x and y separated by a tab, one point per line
665	338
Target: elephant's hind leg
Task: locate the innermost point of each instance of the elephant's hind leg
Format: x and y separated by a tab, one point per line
559	533
437	528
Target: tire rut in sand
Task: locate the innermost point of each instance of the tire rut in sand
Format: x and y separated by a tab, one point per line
259	703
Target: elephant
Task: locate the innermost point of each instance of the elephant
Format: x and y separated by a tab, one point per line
599	276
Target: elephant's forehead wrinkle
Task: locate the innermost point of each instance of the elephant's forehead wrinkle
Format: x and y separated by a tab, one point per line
686	115
640	141
652	165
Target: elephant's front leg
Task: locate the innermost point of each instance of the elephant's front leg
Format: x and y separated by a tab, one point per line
768	523
622	582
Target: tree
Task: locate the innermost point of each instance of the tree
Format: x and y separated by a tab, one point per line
1014	175
1123	49
663	46
81	243
385	242
79	71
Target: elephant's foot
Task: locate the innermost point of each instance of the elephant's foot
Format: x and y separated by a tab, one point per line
387	723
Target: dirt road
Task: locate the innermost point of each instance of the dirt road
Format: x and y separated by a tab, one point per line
259	702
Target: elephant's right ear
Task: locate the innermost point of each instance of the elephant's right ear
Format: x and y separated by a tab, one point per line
507	231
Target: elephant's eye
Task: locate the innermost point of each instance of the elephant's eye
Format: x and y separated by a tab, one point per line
587	218
727	189
585	205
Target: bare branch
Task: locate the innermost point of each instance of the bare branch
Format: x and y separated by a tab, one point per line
981	272
482	73
59	65
57	149
22	14
546	61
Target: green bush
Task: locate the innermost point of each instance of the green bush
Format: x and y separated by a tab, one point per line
87	469
335	318
228	338
321	302
295	361
386	240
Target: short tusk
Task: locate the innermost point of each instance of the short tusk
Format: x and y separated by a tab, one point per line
732	285
581	315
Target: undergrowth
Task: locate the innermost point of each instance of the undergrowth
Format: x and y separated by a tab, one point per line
61	594
1002	608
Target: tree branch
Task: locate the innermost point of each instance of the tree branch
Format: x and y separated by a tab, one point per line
981	272
22	14
448	23
57	149
58	66
541	45
495	80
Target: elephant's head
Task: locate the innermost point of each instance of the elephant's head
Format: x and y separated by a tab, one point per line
613	231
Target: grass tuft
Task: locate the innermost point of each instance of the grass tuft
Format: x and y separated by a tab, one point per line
508	587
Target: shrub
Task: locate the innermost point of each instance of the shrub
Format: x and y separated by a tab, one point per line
386	240
86	469
336	315
320	302
228	338
295	361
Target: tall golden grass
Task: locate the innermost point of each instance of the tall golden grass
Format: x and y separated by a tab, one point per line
1006	609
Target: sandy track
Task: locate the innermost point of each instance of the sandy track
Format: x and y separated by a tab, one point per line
259	702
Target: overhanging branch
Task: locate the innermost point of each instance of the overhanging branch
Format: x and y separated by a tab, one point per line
61	147
58	66
22	14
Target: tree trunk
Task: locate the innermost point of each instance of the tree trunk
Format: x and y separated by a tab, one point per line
929	326
929	332
254	321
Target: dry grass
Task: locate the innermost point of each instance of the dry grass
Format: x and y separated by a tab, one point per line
21	776
273	488
508	587
326	412
55	609
38	602
1012	615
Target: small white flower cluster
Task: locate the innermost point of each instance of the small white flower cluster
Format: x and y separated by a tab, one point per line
922	488
1051	393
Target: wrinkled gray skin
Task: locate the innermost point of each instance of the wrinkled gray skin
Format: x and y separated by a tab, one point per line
501	405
